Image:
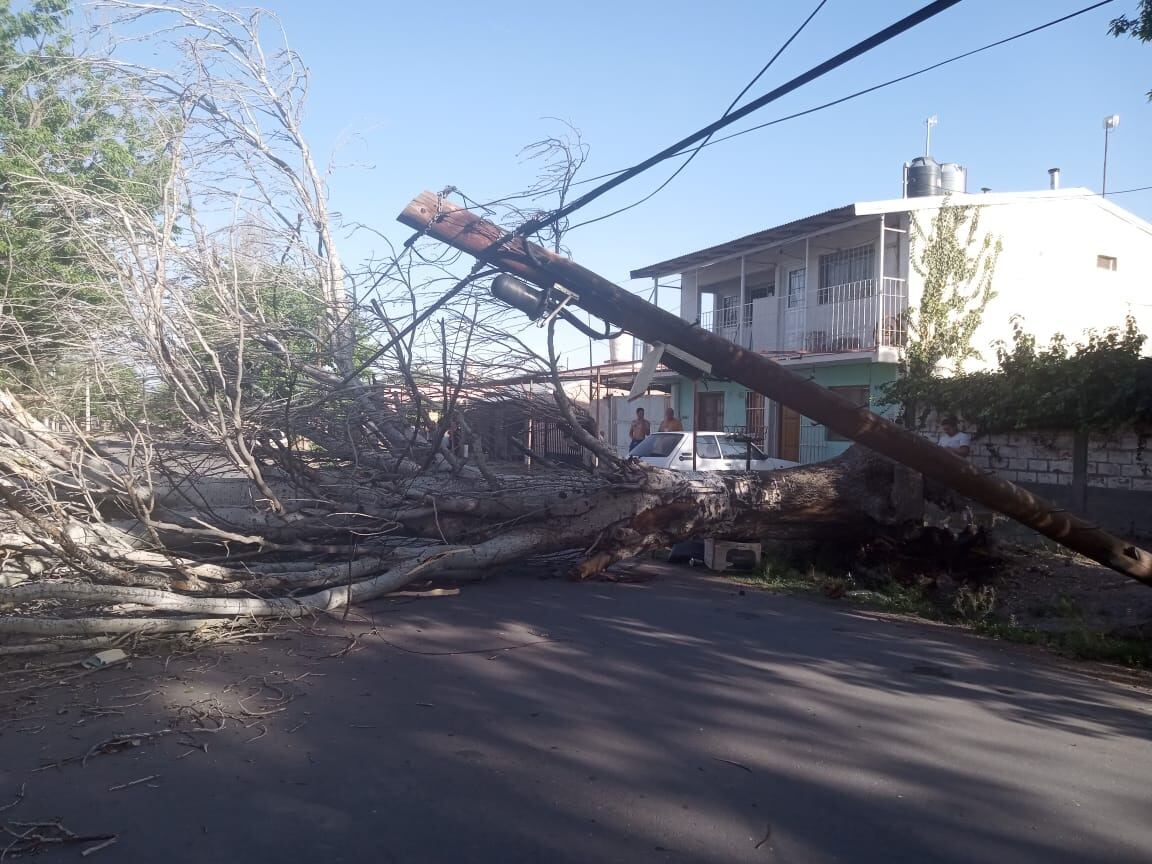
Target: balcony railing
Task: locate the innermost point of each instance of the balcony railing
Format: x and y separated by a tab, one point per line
848	317
854	316
893	329
733	323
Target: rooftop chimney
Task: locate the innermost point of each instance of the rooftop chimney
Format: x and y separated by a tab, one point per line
1053	178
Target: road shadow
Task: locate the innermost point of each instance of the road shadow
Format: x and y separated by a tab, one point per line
538	720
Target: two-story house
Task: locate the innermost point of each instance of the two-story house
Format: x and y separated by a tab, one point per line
828	295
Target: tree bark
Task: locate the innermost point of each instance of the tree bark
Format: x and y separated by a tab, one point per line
607	517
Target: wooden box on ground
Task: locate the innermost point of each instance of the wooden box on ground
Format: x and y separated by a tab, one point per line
716	552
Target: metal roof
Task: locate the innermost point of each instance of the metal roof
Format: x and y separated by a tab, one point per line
779	234
830	218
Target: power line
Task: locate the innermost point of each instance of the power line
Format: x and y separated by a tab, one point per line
918	72
862	47
727	111
859	93
773	59
1125	191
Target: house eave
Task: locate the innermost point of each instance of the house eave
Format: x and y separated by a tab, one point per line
748	243
818	222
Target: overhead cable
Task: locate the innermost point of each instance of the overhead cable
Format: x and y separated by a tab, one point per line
864	46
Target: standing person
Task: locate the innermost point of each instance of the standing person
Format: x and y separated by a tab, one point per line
951	438
639	430
671	423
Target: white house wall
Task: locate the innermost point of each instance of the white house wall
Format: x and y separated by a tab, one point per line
689	297
1048	274
766	321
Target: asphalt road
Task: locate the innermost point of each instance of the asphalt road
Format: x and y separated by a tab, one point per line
674	721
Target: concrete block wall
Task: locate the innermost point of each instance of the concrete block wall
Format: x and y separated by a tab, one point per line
1119	475
1119	461
1122	460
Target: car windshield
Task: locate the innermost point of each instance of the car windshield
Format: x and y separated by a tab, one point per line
734	449
660	445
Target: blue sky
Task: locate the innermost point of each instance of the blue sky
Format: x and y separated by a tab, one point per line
420	96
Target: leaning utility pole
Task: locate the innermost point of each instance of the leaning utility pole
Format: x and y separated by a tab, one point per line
470	233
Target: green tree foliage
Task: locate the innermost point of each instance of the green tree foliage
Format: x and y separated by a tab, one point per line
956	269
290	308
1101	384
1139	26
65	124
245	297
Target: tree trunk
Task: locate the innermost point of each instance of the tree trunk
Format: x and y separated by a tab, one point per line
608	517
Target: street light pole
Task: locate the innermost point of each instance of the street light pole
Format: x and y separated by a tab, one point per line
1110	123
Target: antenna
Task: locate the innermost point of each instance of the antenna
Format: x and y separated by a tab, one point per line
929	122
1110	123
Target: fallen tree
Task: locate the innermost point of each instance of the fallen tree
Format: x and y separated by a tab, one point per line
271	448
438	526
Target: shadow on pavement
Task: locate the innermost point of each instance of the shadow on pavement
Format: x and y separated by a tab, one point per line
674	720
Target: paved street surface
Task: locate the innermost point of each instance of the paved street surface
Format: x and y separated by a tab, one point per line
674	720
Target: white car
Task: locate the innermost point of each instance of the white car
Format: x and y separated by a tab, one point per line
715	451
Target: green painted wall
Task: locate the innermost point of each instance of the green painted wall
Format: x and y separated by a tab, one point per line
875	375
814	442
733	401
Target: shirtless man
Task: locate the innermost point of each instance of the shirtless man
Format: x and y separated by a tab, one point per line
639	430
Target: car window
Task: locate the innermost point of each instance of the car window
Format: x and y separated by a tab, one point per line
706	447
661	444
733	449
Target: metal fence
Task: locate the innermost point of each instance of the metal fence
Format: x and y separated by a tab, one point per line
733	323
851	316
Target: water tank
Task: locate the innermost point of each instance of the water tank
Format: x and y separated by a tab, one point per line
953	178
923	176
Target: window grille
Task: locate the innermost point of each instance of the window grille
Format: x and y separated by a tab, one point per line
754	415
854	268
729	307
797	281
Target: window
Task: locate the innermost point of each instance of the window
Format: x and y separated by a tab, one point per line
1106	262
858	395
706	447
728	310
797	281
759	287
733	449
660	444
854	269
761	284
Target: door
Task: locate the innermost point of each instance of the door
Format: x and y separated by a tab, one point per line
710	412
795	313
789	434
